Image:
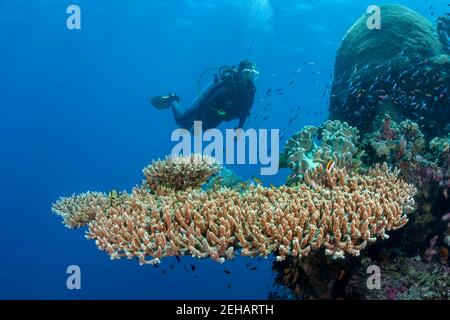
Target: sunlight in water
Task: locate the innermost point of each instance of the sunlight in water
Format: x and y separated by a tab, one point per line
261	10
258	20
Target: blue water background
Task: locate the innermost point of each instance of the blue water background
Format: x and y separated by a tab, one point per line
74	116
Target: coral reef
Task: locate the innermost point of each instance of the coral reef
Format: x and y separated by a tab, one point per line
402	277
403	69
404	146
400	145
446	219
78	210
440	150
392	85
335	210
423	242
313	277
313	146
225	178
180	172
405	278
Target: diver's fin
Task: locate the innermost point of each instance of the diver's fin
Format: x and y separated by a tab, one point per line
164	102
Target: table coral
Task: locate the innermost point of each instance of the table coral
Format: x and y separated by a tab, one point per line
78	210
337	211
181	172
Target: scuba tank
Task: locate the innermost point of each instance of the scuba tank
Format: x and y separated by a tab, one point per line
224	73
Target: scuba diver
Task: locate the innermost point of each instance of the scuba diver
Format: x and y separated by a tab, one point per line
230	96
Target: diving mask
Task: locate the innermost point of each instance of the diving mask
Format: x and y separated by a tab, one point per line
251	73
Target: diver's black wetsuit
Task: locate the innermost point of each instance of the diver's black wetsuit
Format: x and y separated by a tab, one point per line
225	99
